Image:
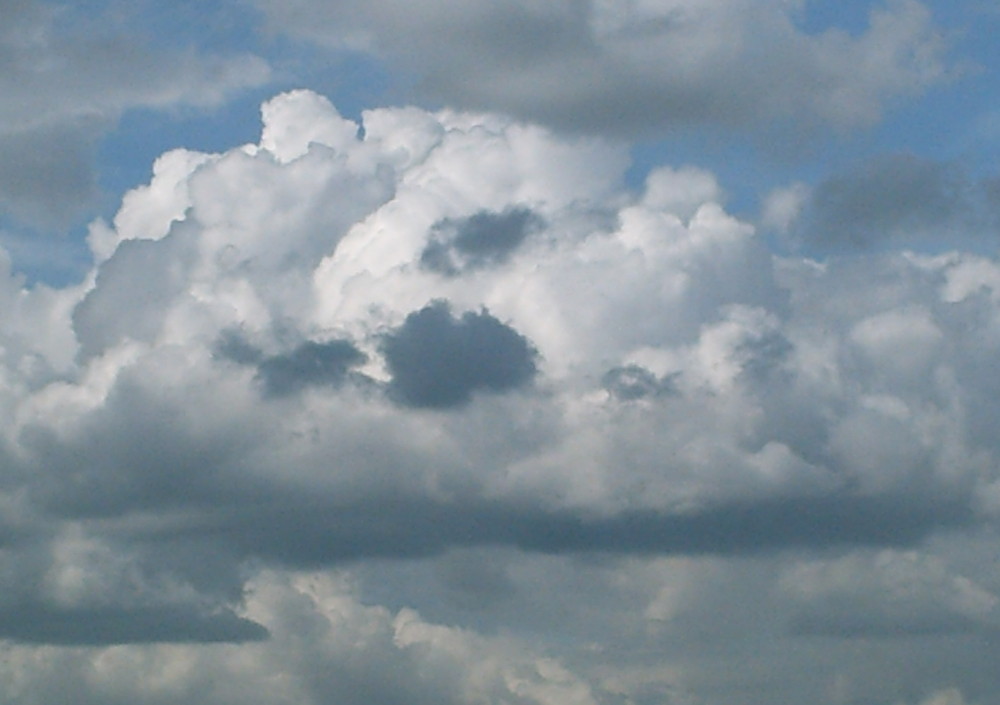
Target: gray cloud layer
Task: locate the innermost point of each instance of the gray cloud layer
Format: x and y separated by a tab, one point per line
630	68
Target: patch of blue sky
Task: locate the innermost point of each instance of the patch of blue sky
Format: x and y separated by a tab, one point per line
43	258
851	16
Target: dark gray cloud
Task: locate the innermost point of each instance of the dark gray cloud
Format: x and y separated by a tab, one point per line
438	361
140	452
902	198
321	534
478	241
108	625
309	364
232	345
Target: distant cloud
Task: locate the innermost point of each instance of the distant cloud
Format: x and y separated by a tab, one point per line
904	199
891	594
110	625
46	172
637	68
65	88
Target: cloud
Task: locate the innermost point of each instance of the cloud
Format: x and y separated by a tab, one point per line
114	625
46	173
478	241
308	364
949	696
83	587
637	68
690	364
127	303
617	395
438	361
69	75
899	198
631	382
888	595
326	644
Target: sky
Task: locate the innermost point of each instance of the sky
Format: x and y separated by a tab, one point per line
562	352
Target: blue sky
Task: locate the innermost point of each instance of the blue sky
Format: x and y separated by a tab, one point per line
563	352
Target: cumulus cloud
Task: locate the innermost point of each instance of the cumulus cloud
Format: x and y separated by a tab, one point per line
637	67
629	308
620	393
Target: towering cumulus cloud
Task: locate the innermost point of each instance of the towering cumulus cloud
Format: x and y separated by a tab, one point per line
434	409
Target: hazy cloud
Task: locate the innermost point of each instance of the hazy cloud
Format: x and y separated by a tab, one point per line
630	68
901	198
326	645
69	74
632	382
116	625
46	172
891	594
